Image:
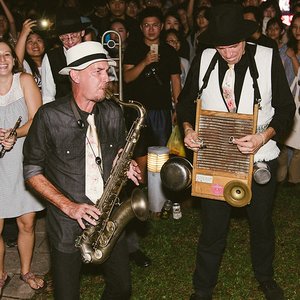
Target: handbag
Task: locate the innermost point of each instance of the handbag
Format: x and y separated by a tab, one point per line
175	142
293	139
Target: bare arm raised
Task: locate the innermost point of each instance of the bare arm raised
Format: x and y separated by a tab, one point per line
10	18
21	42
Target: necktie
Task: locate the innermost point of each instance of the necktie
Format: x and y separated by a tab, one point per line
93	176
228	88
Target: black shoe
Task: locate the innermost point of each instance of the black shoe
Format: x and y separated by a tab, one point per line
198	297
271	290
140	259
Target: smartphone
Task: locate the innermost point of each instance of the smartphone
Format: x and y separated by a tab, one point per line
154	48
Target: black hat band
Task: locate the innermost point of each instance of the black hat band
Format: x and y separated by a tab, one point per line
86	59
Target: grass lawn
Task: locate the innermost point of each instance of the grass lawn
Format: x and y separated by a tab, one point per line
172	246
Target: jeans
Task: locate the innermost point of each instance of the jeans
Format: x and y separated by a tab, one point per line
212	241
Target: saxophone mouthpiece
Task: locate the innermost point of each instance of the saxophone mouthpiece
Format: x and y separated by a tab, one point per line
108	93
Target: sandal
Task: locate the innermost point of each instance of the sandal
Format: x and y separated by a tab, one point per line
31	277
3	282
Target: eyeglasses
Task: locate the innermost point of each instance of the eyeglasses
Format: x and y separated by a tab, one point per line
152	26
173	42
70	36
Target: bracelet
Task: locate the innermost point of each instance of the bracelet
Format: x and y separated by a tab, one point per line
262	138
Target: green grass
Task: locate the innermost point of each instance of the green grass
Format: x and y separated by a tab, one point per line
172	246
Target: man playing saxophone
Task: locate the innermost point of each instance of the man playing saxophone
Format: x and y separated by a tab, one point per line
68	156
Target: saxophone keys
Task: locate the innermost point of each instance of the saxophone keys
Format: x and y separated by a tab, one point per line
110	226
98	254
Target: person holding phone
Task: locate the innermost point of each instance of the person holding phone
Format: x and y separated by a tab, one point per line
151	72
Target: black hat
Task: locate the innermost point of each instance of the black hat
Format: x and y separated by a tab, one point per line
227	26
67	21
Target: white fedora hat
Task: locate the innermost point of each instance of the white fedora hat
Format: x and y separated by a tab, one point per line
84	54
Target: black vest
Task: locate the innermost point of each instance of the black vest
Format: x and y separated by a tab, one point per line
57	60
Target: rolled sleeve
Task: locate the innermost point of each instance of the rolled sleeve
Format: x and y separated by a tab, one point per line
34	149
31	170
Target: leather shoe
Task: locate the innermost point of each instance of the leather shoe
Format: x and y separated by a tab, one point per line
198	297
140	259
271	290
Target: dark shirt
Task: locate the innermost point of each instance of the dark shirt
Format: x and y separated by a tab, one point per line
282	99
264	40
57	61
184	50
103	24
55	147
153	91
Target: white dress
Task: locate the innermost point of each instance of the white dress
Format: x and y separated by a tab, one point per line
15	199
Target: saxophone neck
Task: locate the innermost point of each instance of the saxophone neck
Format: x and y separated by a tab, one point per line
133	104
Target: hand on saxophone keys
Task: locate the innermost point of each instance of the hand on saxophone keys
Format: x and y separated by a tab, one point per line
82	213
134	172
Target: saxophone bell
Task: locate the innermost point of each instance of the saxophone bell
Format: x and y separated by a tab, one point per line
139	204
96	248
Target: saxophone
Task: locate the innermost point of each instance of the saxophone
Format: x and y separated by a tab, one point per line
97	241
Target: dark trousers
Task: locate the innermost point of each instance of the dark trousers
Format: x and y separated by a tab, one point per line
66	274
212	241
156	132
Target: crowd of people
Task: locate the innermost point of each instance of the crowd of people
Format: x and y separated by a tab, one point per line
55	68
